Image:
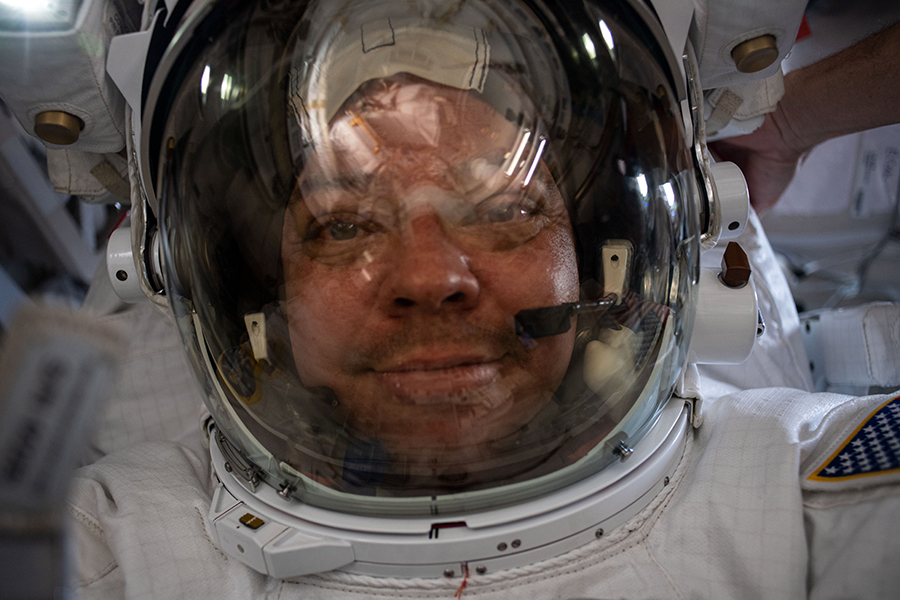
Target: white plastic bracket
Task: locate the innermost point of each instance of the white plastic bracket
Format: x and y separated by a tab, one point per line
727	321
121	268
125	65
734	199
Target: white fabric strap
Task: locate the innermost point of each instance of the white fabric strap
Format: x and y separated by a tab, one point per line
861	345
741	109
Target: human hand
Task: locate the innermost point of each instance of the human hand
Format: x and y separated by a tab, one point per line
767	160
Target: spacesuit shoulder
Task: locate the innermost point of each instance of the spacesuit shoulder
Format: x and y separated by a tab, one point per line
851	499
859	447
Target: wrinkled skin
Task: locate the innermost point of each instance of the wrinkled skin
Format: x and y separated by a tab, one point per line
407	251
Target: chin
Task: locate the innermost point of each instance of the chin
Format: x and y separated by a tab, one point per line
435	431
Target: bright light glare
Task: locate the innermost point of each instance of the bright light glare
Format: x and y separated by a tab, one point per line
534	163
27	6
33	8
225	90
204	80
669	194
589	46
643	188
518	156
39	15
607	36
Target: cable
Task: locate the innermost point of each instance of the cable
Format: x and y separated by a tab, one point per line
854	287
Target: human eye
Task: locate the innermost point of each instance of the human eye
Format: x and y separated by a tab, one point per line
342	231
341	227
505	221
342	237
506	208
510	209
333	229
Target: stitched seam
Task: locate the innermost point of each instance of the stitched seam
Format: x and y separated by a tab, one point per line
94	527
521	580
586	556
869	361
112	119
206	535
88	521
112	566
651	522
652	556
368	593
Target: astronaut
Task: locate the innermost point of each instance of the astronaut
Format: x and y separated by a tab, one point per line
440	271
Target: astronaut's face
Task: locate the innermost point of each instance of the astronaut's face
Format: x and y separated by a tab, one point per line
407	251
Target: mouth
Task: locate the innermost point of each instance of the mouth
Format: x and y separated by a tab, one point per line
461	380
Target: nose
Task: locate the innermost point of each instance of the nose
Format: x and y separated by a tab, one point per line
429	271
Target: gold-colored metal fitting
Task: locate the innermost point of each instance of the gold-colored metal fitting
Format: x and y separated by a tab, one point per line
756	54
736	269
252	521
57	127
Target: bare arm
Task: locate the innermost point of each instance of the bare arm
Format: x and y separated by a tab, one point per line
853	90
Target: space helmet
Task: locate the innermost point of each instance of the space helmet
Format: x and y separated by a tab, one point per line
434	263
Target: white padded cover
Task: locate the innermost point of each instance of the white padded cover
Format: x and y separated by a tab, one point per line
66	71
720	25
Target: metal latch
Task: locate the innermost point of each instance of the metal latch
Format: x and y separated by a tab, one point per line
247	474
620	447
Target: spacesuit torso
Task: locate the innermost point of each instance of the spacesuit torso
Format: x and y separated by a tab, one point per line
781	494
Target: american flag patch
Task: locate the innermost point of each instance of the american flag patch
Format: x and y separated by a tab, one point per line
872	449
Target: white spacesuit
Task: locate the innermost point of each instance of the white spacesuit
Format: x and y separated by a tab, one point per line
463	290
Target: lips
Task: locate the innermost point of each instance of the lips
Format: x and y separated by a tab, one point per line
452	380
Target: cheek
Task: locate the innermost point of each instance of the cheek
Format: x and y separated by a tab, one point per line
542	273
326	310
565	285
564	266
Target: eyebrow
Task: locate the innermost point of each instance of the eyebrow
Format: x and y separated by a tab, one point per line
359	181
318	183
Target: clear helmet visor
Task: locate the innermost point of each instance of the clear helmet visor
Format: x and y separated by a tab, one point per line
426	258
